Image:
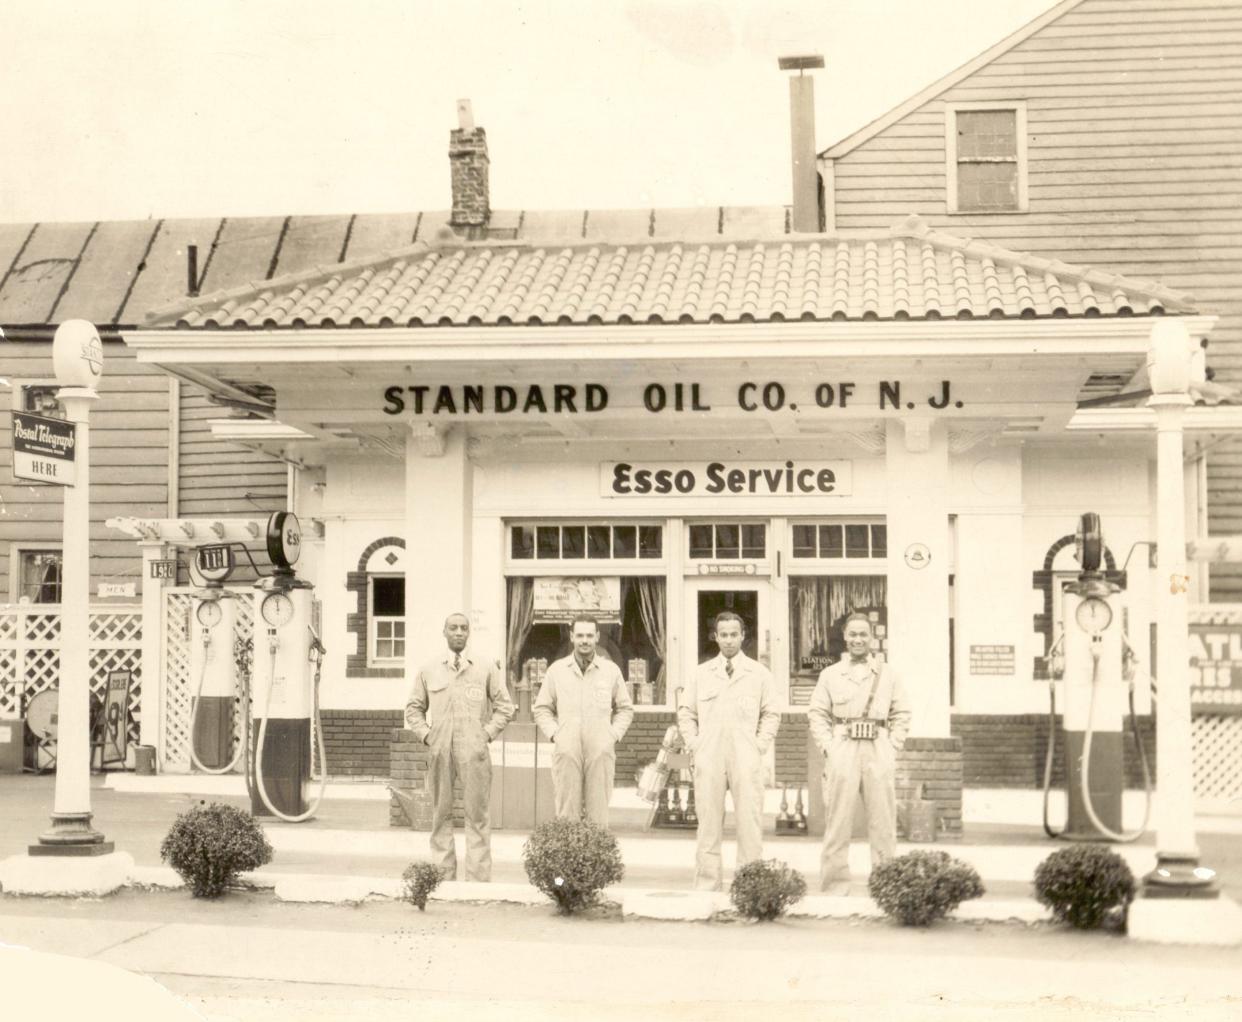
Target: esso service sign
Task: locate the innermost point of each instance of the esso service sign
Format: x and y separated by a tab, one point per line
284	539
77	354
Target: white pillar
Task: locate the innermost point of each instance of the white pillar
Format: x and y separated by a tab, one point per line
917	468
439	504
71	809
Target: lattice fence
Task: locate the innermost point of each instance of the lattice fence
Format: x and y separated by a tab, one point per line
1218	755
179	685
30	643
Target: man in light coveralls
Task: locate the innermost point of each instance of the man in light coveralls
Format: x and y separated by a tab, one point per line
728	719
584	708
859	716
469	705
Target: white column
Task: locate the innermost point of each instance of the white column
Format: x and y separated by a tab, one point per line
71	809
439	505
1175	820
917	468
152	700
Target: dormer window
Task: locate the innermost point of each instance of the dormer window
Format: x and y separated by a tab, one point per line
986	158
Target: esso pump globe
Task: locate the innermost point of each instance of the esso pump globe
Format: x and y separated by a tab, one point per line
77	354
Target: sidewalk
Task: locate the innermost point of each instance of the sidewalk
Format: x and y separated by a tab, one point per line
350	840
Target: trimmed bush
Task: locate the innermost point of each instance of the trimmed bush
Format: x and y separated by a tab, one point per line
210	844
1084	884
920	887
418	881
571	861
765	888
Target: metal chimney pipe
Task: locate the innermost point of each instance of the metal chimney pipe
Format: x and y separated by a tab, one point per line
802	141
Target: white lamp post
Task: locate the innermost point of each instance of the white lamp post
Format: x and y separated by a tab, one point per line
1172	365
77	356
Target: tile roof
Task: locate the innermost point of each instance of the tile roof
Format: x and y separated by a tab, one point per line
908	272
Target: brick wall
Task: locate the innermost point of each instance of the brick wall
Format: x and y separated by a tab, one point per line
936	765
408	773
1008	750
791	750
356	741
640	745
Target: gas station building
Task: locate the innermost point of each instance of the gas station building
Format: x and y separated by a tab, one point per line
790	426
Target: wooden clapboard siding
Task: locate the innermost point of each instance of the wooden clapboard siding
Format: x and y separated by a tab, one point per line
219	478
129	463
1134	133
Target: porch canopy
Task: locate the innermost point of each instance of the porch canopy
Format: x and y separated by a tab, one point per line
909	343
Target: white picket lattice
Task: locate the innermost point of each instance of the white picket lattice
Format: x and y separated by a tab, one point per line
1218	756
179	685
30	643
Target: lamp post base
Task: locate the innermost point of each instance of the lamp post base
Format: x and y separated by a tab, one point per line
1179	876
71	834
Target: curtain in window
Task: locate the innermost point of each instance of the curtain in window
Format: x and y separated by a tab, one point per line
521	617
652	606
820	602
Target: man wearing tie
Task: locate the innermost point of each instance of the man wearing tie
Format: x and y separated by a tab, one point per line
469	705
728	719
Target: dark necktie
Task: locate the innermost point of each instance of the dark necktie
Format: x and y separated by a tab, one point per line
457	662
729	668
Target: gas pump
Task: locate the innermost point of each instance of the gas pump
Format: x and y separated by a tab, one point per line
212	664
1097	672
288	658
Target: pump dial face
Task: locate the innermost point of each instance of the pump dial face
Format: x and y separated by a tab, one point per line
1094	615
209	613
277	610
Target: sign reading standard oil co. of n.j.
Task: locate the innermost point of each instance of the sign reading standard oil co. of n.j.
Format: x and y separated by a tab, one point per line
43	449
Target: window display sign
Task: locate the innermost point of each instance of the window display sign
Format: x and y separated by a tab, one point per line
1216	666
726	479
562	598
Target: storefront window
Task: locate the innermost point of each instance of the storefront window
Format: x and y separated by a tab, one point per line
850	539
40	576
583	542
728	541
818	607
633	619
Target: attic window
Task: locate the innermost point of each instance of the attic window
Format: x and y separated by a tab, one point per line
986	158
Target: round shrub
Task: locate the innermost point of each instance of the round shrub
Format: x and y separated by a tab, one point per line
571	861
920	887
418	881
1084	884
210	844
765	888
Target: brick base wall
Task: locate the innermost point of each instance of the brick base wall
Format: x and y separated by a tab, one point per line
1008	750
935	764
356	741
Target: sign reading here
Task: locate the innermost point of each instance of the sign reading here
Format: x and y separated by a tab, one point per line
991	660
43	449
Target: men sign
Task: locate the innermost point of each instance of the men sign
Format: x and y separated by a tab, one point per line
43	449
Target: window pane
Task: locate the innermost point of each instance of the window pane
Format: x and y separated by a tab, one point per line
754	540
727	541
700	541
573	541
522	541
624	541
599	541
857	540
650	541
40	576
830	542
388	597
804	540
987	186
987	134
43	401
879	541
548	540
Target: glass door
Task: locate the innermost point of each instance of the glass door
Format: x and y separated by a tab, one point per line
749	600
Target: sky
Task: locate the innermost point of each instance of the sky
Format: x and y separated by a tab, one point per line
129	109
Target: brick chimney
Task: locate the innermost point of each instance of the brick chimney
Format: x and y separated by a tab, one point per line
468	163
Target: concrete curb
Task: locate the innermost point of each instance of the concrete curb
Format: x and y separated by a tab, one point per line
65	876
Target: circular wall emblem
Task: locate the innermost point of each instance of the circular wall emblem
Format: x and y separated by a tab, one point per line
918	556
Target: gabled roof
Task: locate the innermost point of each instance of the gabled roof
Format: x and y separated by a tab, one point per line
908	272
869	131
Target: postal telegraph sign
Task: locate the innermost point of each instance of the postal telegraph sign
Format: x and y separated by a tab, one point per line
43	449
